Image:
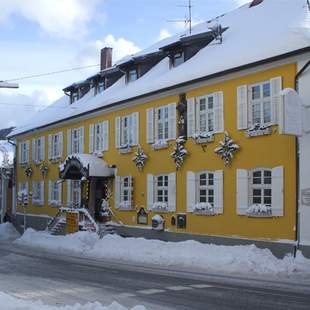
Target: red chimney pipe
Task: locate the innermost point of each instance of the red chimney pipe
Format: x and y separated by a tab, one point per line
106	58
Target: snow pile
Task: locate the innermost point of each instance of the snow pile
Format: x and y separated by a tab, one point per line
267	30
188	254
8	302
8	232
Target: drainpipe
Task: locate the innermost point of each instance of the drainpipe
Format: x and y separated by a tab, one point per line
297	229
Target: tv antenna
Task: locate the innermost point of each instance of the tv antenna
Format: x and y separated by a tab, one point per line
187	20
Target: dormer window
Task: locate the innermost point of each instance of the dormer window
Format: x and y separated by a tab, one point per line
100	86
74	96
177	59
132	75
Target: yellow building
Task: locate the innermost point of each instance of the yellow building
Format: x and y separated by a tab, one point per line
188	130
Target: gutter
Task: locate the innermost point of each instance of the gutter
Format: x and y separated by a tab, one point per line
202	79
297	230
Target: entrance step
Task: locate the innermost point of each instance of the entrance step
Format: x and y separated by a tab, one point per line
106	229
59	229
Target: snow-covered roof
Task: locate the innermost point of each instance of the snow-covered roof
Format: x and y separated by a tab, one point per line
270	29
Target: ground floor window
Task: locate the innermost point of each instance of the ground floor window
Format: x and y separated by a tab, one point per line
74	193
124	192
54	193
38	193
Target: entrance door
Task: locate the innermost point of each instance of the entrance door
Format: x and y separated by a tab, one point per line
100	194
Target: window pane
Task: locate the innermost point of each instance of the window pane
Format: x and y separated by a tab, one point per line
267	200
267	177
267	112
256	92
256	113
166	180
267	192
257	192
202	104
266	90
210	103
211	178
257	200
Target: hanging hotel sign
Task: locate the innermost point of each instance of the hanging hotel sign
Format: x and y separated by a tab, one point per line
290	113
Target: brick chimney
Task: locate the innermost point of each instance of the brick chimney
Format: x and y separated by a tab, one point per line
106	58
256	2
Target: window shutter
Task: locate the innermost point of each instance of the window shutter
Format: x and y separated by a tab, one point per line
27	151
49	191
150	191
172	116
242	107
42	193
276	98
117	132
150	125
27	187
91	138
50	146
191	191
33	149
191	127
277	191
69	142
69	192
135	128
130	196
218	192
250	107
59	198
20	153
42	150
118	181
81	140
218	112
242	191
156	124
105	135
172	191
61	144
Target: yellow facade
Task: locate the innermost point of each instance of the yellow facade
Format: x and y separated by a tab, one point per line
265	151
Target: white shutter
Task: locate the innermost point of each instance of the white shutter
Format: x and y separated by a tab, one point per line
150	191
69	142
27	187
69	192
191	127
42	150
91	138
20	153
59	198
27	151
276	98
61	143
118	181
50	146
277	191
130	194
42	193
150	125
242	107
250	107
172	191
218	112
49	191
218	192
242	191
191	191
172	125
81	140
117	132
135	128
105	127
33	149
101	136
156	124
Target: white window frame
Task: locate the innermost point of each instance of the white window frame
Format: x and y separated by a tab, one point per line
205	128
260	102
164	188
124	192
75	140
132	75
55	145
24	152
177	59
127	130
38	152
55	193
38	193
162	123
99	138
23	187
207	187
263	186
74	193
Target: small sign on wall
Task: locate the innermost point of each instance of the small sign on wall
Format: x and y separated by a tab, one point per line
305	197
142	217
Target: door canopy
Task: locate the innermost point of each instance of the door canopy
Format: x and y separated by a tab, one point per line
78	166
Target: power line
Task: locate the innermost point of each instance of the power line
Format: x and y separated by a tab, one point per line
35	105
51	73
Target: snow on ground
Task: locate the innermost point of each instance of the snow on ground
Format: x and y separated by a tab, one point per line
186	255
8	232
8	302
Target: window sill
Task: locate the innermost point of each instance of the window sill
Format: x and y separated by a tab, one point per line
259	130
258	215
204	212
54	205
203	138
38	162
125	150
160	145
123	206
55	160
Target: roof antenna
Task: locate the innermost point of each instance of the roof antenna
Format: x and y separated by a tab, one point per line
186	20
216	29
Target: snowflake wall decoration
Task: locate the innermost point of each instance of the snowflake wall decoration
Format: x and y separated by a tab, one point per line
140	158
179	152
227	149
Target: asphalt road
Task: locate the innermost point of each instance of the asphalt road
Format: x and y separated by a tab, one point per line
59	280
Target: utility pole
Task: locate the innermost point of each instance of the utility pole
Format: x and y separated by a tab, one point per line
4	84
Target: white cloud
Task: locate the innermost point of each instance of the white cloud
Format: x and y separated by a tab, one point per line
15	108
164	33
90	54
63	18
241	2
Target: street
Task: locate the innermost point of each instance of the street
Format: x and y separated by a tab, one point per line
59	280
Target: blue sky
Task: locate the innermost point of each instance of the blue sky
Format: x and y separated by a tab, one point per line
40	36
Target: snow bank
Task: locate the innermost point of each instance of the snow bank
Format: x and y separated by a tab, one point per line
8	302
8	232
187	254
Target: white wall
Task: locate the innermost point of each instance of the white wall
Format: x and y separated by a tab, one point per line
304	143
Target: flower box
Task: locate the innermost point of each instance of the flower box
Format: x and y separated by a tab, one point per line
160	207
203	138
125	149
203	209
259	210
259	130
